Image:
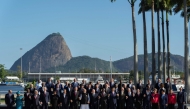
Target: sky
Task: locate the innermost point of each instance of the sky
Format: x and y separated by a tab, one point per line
96	28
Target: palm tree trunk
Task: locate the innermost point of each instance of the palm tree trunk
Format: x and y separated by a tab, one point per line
159	43
153	47
145	45
186	53
164	54
135	44
168	45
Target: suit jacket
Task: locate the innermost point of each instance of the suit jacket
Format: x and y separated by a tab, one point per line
111	84
103	98
60	86
65	100
129	85
180	97
10	100
94	99
45	98
164	99
49	86
130	99
113	98
74	84
157	86
97	91
28	101
32	90
89	90
139	86
74	97
69	90
107	90
167	86
35	101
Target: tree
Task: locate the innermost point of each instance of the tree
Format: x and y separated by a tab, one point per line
142	7
132	3
153	46
159	42
19	72
3	72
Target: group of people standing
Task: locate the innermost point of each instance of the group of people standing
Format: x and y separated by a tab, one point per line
97	96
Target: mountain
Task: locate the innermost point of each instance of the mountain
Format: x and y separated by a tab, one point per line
123	65
84	62
126	64
52	51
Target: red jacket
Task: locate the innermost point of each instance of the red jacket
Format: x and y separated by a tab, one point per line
155	98
171	98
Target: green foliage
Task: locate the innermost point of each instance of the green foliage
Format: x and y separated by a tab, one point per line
84	64
3	72
19	73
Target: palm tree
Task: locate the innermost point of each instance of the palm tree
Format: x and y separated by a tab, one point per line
159	43
153	46
132	3
142	8
182	5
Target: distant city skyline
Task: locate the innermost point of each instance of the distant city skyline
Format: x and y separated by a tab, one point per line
94	28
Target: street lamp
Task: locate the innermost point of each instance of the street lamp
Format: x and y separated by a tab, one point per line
21	63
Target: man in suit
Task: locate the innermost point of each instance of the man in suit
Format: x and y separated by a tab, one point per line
9	99
32	89
50	86
36	100
103	99
167	85
130	84
112	99
94	100
180	99
157	85
111	83
164	100
59	84
69	89
107	89
139	85
147	98
27	99
64	99
97	89
75	83
89	89
75	98
45	98
129	99
121	101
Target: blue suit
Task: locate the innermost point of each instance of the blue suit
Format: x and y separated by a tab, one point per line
163	101
113	101
19	103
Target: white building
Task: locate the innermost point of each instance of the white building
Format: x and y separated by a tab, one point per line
11	78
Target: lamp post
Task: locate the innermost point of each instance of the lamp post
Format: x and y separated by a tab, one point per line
21	63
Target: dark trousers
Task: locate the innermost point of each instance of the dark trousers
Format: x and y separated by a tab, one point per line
74	105
154	105
180	106
27	106
171	106
146	105
9	106
94	106
65	106
163	106
138	105
45	106
129	105
36	107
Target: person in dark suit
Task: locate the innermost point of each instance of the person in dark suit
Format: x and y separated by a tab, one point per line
112	83
99	85
75	83
32	89
9	99
129	99
138	99
121	102
167	85
59	85
107	89
157	85
163	100
50	86
65	99
139	85
89	89
54	100
75	98
27	99
130	84
112	96
180	99
45	98
94	100
103	99
58	90
147	98
97	89
69	89
36	103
